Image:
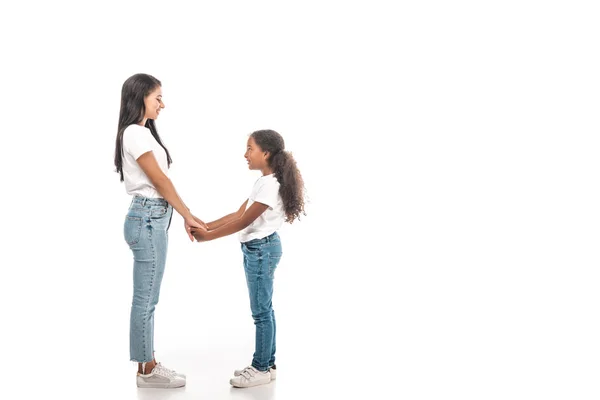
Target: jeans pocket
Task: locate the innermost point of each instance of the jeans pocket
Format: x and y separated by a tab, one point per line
132	229
158	212
253	246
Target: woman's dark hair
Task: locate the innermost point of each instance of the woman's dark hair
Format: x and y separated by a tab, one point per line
134	90
291	185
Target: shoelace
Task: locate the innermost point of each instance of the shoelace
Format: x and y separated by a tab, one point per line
163	371
172	371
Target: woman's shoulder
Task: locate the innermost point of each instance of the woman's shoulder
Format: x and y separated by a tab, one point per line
137	139
135	133
135	128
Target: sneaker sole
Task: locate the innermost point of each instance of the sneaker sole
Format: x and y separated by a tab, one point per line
248	385
158	386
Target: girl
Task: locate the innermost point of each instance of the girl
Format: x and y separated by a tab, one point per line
277	196
143	161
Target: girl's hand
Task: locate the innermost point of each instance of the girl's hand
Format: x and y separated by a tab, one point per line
199	233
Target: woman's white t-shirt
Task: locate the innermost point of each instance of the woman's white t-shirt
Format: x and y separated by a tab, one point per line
265	191
138	140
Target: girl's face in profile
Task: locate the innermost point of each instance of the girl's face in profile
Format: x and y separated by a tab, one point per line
256	157
153	103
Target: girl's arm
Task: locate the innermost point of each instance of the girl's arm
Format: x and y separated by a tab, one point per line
227	219
235	225
165	187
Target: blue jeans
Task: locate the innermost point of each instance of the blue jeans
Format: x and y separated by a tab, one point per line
146	232
261	257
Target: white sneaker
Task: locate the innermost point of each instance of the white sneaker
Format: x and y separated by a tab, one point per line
161	378
272	370
173	371
249	377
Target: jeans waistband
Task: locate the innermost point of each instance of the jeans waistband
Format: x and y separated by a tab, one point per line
267	239
149	200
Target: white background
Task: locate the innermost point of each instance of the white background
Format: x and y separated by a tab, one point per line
449	149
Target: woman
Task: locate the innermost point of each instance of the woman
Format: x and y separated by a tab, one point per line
143	162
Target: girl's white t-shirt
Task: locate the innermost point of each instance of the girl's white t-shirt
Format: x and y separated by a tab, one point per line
138	140
265	191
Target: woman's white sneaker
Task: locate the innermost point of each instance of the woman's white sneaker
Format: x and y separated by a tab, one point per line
249	377
173	371
160	378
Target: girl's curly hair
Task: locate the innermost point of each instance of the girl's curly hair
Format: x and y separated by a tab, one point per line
285	170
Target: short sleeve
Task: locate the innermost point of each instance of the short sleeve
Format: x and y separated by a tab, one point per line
137	141
268	193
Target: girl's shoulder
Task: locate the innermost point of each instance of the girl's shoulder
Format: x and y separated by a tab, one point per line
267	180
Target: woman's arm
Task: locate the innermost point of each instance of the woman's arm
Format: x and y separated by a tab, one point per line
165	187
236	225
228	218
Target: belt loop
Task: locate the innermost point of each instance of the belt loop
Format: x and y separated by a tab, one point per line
143	201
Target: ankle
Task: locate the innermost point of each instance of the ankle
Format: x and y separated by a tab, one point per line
147	367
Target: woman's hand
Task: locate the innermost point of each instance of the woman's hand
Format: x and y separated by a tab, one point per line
198	220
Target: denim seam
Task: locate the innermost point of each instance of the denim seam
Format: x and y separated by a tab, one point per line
261	265
147	312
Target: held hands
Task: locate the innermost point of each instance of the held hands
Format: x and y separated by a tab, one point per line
198	220
195	224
